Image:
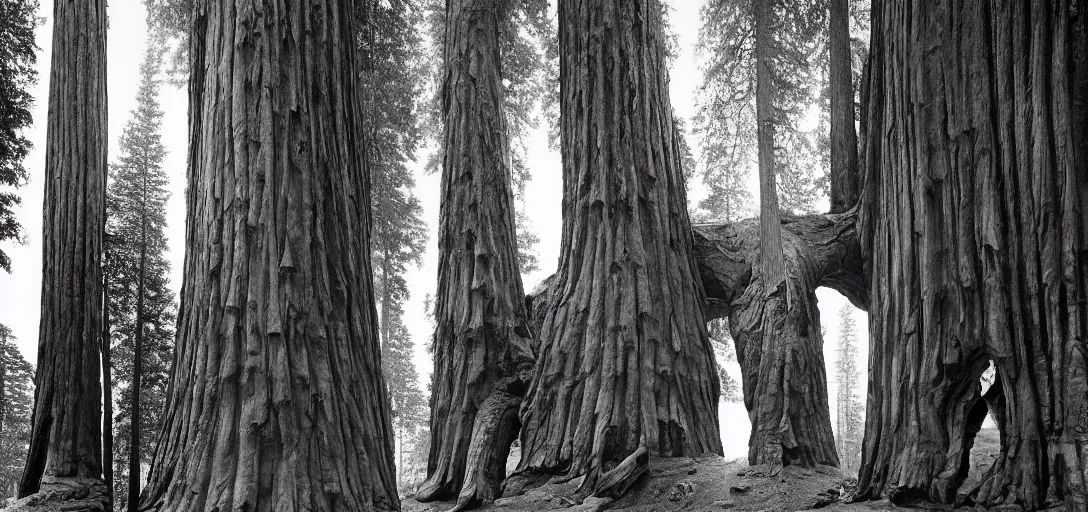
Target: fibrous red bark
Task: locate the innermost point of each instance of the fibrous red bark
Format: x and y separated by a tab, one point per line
624	361
277	400
974	214
65	456
483	358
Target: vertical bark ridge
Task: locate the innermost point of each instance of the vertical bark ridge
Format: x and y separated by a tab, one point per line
483	354
625	361
844	140
276	400
974	215
65	452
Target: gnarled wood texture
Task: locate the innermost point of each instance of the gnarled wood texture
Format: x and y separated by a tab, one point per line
624	361
483	358
779	342
276	398
65	456
974	213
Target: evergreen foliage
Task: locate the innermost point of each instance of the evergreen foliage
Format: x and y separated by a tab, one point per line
850	410
725	121
16	401
394	70
136	223
17	76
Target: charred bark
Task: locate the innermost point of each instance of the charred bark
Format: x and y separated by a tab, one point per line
65	457
277	400
624	360
974	215
483	358
845	186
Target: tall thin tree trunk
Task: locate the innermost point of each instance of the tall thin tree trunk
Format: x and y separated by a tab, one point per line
975	213
845	187
107	388
137	362
3	376
483	357
775	322
772	262
277	399
625	367
66	432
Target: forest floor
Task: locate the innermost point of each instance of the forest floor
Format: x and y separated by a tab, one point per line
706	484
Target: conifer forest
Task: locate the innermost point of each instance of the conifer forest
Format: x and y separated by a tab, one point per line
555	255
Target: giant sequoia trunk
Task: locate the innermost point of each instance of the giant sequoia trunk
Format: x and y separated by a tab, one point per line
66	431
975	215
483	358
277	400
625	365
784	377
774	321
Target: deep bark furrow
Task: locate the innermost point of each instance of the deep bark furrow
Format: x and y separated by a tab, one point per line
65	451
973	215
276	400
624	360
483	354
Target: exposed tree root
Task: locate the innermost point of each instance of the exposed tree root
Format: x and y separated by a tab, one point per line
615	482
496	428
66	494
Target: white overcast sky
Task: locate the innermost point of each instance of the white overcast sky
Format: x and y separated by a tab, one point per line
20	291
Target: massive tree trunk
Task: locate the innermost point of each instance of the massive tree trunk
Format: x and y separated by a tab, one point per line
784	378
775	322
277	400
66	432
624	358
974	212
483	356
845	186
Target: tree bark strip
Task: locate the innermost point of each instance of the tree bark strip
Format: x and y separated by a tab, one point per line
845	178
483	354
974	217
624	360
66	433
277	400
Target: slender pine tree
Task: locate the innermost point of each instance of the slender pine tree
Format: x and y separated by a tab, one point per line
142	309
849	415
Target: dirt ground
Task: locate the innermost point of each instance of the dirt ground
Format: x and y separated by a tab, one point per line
715	484
675	485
